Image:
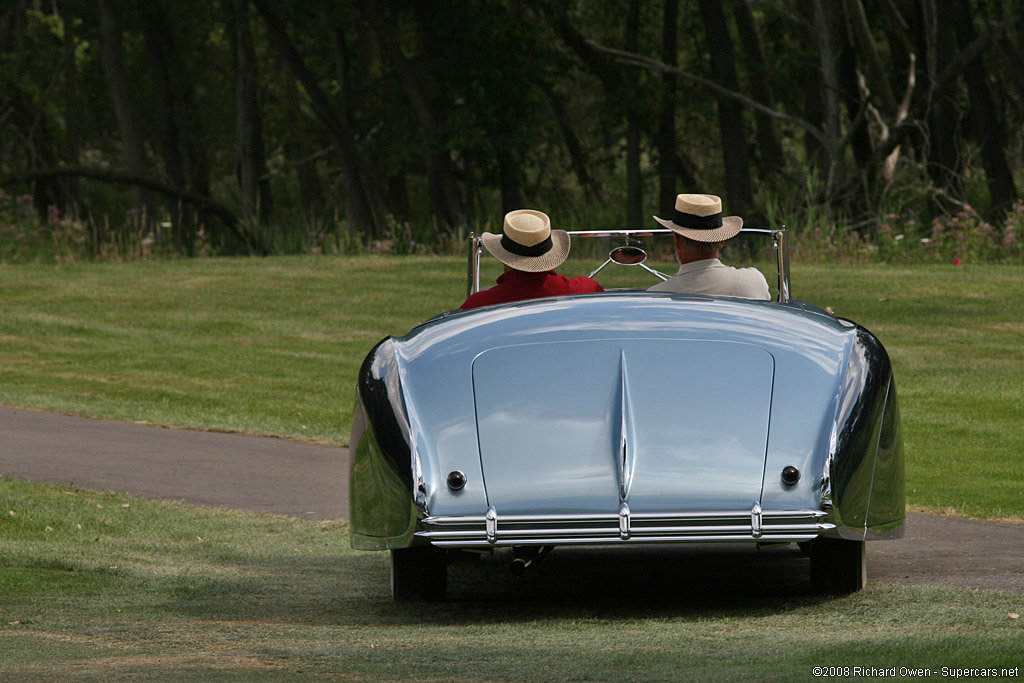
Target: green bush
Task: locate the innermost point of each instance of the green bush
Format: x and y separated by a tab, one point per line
963	237
910	238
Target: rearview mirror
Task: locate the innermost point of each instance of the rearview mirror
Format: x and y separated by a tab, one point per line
628	256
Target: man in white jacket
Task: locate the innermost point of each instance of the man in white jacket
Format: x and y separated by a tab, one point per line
700	232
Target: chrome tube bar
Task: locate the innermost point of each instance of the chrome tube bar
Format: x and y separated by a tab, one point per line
600	529
611	233
625	527
637	516
614	539
475	250
782	254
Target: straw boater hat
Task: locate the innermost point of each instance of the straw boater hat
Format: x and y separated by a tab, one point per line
699	217
528	243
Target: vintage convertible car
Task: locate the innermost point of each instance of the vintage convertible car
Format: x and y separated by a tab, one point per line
622	418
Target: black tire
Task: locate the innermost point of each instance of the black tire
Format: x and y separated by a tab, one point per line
838	566
419	573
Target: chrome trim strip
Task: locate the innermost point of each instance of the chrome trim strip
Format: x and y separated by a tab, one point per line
626	526
625	461
636	516
631	531
614	540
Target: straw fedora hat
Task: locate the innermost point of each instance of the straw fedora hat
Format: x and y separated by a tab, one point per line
528	243
699	217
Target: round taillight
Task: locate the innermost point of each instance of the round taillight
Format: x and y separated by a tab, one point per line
456	480
790	475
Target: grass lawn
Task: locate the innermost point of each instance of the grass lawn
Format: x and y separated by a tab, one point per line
956	338
272	346
101	587
267	346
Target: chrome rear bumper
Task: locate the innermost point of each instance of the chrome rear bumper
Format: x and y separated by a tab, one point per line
604	529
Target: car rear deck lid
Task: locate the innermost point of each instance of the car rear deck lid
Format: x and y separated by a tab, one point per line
663	425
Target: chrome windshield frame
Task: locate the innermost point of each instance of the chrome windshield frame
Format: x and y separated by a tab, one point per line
779	243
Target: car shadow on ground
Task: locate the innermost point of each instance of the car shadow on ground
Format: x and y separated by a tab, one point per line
612	583
643	576
694	580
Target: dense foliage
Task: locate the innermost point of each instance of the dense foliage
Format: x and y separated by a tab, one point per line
257	126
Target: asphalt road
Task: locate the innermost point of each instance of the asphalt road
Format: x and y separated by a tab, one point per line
205	468
311	481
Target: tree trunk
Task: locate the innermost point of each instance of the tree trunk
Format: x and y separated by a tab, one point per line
1009	51
358	208
852	97
879	85
730	113
72	202
112	56
162	55
634	183
689	174
197	157
444	195
767	140
904	58
828	21
300	153
446	200
944	118
578	157
986	123
667	170
510	181
815	152
249	150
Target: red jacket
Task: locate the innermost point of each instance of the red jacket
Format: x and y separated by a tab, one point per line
514	285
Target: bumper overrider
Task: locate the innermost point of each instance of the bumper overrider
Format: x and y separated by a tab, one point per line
493	529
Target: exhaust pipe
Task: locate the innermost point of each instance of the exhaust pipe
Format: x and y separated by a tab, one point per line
526	557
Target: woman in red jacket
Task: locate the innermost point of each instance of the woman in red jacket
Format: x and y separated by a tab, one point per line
531	251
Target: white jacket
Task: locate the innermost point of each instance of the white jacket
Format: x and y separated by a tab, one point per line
711	276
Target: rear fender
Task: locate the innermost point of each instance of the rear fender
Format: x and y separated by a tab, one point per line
382	510
865	484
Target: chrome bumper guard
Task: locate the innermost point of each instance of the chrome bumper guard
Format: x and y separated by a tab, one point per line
766	526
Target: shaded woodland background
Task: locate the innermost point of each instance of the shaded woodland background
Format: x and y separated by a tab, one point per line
279	126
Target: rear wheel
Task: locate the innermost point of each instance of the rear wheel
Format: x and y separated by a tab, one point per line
838	566
419	573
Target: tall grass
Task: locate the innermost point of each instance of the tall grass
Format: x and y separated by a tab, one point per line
896	231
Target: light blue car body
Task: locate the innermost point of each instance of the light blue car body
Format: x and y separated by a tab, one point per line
626	417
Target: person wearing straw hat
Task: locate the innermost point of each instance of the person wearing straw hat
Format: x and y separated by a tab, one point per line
700	231
531	251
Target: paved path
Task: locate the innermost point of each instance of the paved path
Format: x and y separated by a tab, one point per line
311	481
206	468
